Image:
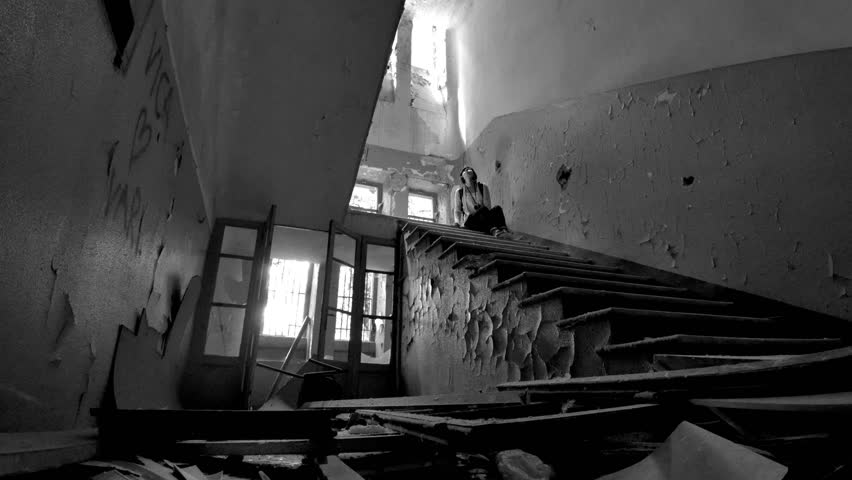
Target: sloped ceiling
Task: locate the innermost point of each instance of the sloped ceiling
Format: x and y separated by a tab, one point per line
295	86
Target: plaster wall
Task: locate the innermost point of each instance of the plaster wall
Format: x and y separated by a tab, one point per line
101	212
738	176
514	55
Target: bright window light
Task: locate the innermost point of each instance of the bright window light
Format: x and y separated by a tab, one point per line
421	207
286	305
365	198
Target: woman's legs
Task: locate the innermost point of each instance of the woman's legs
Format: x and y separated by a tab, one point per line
486	220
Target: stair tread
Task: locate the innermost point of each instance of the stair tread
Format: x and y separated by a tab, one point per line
677	361
550	255
482	259
556	269
461	236
533	276
648	314
710	340
521	248
609	294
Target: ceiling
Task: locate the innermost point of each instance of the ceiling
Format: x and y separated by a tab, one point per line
297	84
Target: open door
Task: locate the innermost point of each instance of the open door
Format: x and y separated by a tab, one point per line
357	312
229	315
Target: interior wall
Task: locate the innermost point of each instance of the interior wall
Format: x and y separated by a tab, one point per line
738	176
101	207
517	55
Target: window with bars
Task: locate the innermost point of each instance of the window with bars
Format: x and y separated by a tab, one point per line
291	283
375	303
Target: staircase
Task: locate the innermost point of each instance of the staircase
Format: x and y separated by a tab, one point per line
520	310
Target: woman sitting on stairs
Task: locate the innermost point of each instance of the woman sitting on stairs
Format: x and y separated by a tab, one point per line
473	210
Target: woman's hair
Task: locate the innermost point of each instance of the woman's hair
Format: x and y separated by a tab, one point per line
461	174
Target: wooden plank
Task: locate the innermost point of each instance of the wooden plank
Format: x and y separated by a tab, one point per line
340	444
794	373
622	299
460	399
335	469
832	403
35	451
487	433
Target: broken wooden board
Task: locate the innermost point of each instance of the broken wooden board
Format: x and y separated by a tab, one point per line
143	378
35	451
348	444
665	361
335	469
453	399
511	432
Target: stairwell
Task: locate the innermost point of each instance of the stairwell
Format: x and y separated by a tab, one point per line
478	311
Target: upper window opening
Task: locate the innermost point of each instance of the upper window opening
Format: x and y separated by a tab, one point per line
388	91
121	23
365	198
421	207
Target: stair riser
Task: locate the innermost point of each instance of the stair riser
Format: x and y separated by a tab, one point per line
557	308
535	286
506	272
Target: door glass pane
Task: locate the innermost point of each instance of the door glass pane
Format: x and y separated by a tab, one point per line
224	331
336	349
232	281
344	248
378	294
239	241
381	258
377	336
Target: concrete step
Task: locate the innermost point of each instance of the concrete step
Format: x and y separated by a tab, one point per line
668	361
507	269
564	302
638	356
586	334
460	249
458	234
442	242
534	283
718	345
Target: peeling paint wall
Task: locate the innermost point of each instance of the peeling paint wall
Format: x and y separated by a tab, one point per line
101	213
515	55
460	336
737	176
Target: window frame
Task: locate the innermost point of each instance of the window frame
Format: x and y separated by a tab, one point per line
433	196
378	187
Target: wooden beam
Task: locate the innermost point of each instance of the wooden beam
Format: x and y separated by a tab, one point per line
35	451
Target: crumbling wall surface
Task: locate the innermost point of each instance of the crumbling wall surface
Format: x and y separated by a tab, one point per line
460	336
738	176
101	214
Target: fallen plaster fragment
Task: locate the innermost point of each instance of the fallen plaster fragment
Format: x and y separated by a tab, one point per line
664	98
